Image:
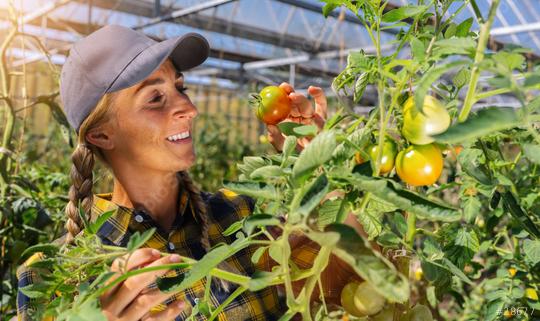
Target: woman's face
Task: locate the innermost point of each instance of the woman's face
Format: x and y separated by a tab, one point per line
154	122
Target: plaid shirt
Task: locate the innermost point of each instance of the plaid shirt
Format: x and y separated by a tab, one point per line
225	208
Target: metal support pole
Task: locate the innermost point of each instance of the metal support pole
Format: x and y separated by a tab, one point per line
292	74
157	8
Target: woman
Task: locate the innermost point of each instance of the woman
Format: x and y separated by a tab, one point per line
124	95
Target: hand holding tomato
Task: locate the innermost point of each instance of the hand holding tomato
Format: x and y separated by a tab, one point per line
302	112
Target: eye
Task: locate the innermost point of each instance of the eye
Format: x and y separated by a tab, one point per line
156	99
182	89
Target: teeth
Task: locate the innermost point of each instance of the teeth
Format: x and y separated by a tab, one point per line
176	137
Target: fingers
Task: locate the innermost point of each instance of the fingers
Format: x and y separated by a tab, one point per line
131	287
138	258
172	311
288	88
301	106
275	137
144	302
321	105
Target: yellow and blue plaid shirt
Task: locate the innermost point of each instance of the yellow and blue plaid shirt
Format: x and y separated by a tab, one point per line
224	209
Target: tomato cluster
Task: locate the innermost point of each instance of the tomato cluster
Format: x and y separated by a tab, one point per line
421	163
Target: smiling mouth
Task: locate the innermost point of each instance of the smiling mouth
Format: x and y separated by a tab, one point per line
181	137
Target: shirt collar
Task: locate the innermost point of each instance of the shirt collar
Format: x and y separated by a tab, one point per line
115	229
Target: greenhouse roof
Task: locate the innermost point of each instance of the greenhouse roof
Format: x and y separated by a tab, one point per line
265	40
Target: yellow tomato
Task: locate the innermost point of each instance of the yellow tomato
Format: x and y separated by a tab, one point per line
420	125
419	165
530	293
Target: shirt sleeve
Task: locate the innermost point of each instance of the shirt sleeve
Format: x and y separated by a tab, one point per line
27	275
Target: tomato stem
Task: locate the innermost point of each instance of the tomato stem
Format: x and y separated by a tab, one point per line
479	57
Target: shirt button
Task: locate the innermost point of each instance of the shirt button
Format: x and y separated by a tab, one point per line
139	218
171	246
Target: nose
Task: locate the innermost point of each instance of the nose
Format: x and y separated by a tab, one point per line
183	107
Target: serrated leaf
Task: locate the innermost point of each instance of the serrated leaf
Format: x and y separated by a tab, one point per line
369	265
251	163
461	78
468	239
531	250
253	189
93	228
471	208
310	196
485	122
402	198
316	153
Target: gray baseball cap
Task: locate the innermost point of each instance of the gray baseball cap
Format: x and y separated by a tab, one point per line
116	57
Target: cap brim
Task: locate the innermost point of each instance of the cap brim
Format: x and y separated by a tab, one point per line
186	52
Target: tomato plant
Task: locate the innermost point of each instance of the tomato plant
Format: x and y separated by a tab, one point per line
272	104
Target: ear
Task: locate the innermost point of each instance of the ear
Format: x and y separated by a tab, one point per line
101	136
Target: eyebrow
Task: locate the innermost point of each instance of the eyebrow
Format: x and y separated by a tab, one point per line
156	81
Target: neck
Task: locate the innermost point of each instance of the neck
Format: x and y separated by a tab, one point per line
156	193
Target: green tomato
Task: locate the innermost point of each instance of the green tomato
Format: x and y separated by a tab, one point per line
419	126
347	299
384	315
420	313
388	155
368	301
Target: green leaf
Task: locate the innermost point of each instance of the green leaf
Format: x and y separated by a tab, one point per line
450	31
137	239
400	197
259	252
485	122
46	249
316	153
418	49
509	60
36	290
471	208
531	251
462	77
305	130
328	8
287	127
456	271
288	147
454	46
430	78
259	220
93	228
532	152
463	28
512	205
467	239
403	12
233	228
255	190
355	140
328	212
251	163
369	265
266	172
310	196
